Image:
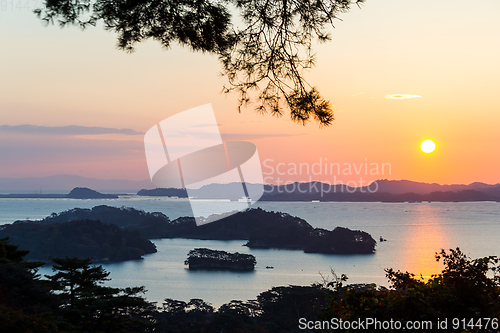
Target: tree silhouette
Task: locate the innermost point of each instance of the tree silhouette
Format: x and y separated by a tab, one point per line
26	305
263	52
89	305
466	288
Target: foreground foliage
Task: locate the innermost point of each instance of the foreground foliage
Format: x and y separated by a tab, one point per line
87	305
74	299
263	50
71	300
465	289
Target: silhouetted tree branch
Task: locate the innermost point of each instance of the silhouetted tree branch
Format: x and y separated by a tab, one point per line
263	57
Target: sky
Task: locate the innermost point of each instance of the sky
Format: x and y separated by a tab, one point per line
72	103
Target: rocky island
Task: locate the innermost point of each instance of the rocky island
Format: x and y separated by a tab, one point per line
203	258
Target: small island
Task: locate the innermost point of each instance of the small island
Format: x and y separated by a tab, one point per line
164	192
87	193
203	258
76	193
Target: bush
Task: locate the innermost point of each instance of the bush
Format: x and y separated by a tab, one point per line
463	290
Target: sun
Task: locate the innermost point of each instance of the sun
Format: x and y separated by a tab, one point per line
428	146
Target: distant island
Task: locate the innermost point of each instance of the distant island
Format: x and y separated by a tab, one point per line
164	192
86	193
382	190
379	191
259	228
203	258
76	193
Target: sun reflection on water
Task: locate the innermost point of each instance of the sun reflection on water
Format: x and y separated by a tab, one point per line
426	238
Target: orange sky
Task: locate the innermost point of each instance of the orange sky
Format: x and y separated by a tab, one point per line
446	52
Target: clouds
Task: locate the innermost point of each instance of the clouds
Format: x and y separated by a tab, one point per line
401	96
71	130
46	150
43	155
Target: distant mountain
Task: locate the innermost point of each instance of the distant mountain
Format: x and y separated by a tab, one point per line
64	183
408	186
380	190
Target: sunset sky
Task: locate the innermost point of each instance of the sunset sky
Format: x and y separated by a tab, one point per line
89	104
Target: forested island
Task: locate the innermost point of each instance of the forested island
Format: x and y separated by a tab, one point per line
203	258
82	238
164	192
313	240
260	228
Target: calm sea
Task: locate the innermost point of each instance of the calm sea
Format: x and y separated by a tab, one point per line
414	232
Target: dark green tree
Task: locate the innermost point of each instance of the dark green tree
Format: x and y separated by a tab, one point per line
234	316
263	46
466	288
88	305
10	253
26	305
76	279
182	317
280	308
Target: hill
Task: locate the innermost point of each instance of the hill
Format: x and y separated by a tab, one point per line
407	186
78	238
86	193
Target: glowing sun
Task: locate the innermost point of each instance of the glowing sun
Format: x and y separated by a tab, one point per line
428	146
